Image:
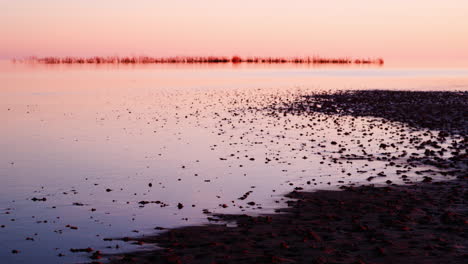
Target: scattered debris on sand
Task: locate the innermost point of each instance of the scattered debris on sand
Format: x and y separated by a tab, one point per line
421	223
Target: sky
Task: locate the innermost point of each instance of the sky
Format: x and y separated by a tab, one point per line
425	31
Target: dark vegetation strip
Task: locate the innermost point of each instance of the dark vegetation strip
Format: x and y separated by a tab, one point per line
199	60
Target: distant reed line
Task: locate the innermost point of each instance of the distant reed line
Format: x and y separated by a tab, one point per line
198	60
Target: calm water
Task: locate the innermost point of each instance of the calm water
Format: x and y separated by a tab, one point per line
92	139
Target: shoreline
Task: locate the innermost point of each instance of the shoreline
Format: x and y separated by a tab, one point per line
421	223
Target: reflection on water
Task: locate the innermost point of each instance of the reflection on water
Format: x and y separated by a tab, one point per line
96	141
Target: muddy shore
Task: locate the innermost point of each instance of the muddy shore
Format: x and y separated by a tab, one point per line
421	223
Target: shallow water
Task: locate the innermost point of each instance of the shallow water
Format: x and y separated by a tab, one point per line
91	137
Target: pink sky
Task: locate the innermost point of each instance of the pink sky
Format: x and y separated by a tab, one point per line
424	31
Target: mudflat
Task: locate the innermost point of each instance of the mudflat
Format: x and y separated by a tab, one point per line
424	222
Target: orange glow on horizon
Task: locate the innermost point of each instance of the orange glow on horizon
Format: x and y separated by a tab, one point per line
423	31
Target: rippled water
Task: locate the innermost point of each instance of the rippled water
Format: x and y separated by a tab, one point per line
94	141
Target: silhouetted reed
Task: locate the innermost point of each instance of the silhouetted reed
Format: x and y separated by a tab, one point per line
199	60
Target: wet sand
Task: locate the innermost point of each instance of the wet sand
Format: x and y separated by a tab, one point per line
421	223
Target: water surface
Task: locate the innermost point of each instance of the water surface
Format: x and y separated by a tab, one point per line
95	140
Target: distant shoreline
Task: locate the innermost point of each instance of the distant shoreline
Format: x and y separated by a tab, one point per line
198	60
